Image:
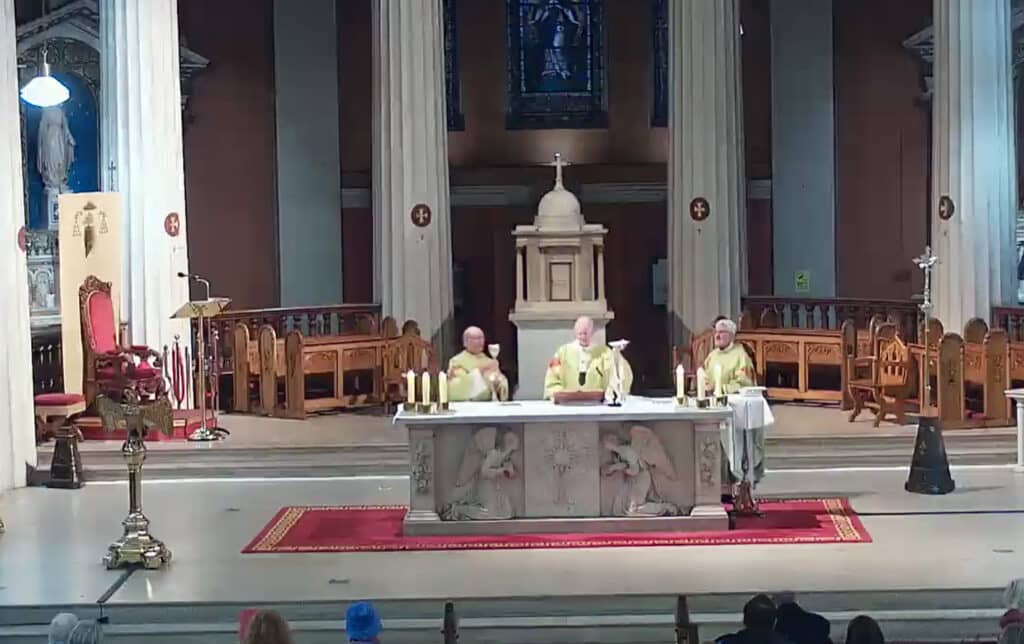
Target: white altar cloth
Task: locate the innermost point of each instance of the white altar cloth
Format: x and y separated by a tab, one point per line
751	419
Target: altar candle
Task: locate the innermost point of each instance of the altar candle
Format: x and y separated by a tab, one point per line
680	382
426	387
442	388
702	383
410	386
718	381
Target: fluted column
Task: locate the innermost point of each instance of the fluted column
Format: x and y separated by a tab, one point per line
706	259
973	160
412	264
17	429
142	153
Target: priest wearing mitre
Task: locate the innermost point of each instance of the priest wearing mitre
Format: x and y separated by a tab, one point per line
583	365
472	374
728	360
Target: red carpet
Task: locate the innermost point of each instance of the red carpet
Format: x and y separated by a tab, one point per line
379	528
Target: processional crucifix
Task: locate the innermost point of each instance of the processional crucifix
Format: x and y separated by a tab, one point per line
925	262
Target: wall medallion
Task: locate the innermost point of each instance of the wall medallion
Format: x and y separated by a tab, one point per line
700	209
420	215
946	207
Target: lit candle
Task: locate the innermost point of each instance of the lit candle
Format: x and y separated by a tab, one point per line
718	381
442	388
410	387
680	382
702	383
426	388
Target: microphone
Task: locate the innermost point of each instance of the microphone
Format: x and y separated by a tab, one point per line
197	278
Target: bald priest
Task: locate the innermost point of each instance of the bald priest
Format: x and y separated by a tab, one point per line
583	365
472	374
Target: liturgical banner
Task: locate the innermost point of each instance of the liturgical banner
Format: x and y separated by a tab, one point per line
89	236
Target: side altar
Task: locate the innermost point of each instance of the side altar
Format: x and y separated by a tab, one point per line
536	467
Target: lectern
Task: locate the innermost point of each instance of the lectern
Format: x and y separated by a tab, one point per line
201	310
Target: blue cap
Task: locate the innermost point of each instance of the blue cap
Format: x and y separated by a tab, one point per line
362	623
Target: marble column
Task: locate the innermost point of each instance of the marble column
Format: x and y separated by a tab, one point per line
706	258
973	160
412	253
142	153
17	428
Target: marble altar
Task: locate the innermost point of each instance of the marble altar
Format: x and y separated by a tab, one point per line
533	466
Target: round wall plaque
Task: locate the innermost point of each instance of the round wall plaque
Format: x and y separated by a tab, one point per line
946	207
172	224
700	209
420	215
22	239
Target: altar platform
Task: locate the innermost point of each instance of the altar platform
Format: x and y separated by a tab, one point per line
804	436
935	568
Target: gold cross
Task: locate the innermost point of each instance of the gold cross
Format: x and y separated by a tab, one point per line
699	208
172	225
421	215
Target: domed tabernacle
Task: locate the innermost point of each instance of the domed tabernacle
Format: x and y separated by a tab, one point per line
559	208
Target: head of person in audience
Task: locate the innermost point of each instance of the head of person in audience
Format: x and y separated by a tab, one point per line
759	614
86	632
1012	634
267	627
725	333
1013	595
583	330
362	623
797	625
1012	616
473	339
864	630
61	627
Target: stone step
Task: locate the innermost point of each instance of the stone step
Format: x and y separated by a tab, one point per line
982	447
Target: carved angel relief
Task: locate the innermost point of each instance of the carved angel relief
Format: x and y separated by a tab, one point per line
480	487
644	468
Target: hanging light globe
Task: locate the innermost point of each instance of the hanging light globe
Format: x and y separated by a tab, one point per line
45	90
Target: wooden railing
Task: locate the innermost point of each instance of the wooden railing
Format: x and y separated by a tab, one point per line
825	313
311	321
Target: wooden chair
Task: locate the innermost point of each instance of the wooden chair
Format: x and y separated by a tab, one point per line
402	354
885	390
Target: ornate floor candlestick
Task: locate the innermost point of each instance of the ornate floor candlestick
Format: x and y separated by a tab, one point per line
136	546
929	465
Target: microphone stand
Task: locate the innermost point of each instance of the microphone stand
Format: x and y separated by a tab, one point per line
203	433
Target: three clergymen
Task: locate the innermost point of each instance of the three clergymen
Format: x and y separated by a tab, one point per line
583	365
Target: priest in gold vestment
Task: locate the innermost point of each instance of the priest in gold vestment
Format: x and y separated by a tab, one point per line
731	359
472	374
582	365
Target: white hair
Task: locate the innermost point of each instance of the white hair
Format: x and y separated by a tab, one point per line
726	325
61	627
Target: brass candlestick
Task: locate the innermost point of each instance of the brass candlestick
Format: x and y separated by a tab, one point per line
925	262
136	546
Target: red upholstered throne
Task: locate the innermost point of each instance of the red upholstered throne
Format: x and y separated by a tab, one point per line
130	374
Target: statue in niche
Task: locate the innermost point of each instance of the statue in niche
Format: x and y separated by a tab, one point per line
643	467
484	472
55	154
41	290
557	28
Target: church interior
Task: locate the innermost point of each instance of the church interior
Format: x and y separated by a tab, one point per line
319	277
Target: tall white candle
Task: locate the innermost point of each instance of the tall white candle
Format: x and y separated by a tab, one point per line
410	386
718	381
680	382
702	384
426	387
442	388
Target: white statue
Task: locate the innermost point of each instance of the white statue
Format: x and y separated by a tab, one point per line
56	149
486	466
644	467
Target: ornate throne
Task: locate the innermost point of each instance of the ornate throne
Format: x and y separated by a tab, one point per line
122	372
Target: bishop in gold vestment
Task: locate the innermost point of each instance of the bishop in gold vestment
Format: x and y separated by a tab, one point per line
472	374
582	365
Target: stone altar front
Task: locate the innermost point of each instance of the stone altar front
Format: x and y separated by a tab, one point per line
536	467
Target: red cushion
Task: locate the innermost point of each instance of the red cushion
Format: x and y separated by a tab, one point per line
101	318
144	370
46	400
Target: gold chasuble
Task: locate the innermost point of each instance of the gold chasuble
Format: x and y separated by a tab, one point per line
466	381
594	362
737	368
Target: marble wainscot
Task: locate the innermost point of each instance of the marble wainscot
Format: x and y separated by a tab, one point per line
536	467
